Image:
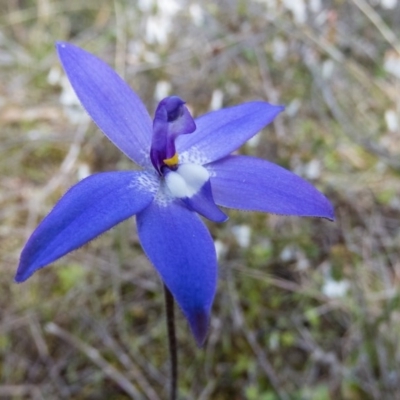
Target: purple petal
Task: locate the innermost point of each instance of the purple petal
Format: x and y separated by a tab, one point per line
111	103
191	184
203	203
249	183
181	249
171	119
221	132
88	209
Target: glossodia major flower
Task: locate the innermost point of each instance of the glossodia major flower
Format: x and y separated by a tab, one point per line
187	171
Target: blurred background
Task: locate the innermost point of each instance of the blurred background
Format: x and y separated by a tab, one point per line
306	308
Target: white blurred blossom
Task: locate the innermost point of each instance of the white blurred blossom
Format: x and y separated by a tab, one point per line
392	63
389	4
288	253
298	10
83	171
279	49
220	249
309	170
328	67
54	75
242	235
255	140
216	99
160	24
392	120
271	4
197	14
312	170
315	5
293	108
162	90
335	289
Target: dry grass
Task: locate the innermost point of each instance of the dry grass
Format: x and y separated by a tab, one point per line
309	309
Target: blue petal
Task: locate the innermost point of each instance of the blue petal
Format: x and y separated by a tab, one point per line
88	209
113	106
221	132
249	183
203	203
181	249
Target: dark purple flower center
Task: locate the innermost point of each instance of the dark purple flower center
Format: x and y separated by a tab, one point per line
171	119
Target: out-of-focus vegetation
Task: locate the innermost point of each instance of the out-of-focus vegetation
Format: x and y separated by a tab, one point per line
306	309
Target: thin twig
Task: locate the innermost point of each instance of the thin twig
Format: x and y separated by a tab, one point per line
270	92
251	338
345	121
126	361
59	178
379	23
94	356
14	391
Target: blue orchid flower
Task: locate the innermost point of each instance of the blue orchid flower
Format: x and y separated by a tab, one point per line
187	170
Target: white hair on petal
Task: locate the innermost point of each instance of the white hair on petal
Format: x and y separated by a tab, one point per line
164	196
147	180
193	156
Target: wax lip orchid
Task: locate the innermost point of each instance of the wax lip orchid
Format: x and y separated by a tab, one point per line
187	170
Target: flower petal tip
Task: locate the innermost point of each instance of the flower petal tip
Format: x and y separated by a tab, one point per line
59	45
274	108
19	279
324	208
21	276
65	48
331	213
28	265
324	211
199	322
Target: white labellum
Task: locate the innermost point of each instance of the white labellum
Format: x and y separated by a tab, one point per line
187	180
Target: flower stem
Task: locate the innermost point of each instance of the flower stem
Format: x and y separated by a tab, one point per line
173	349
